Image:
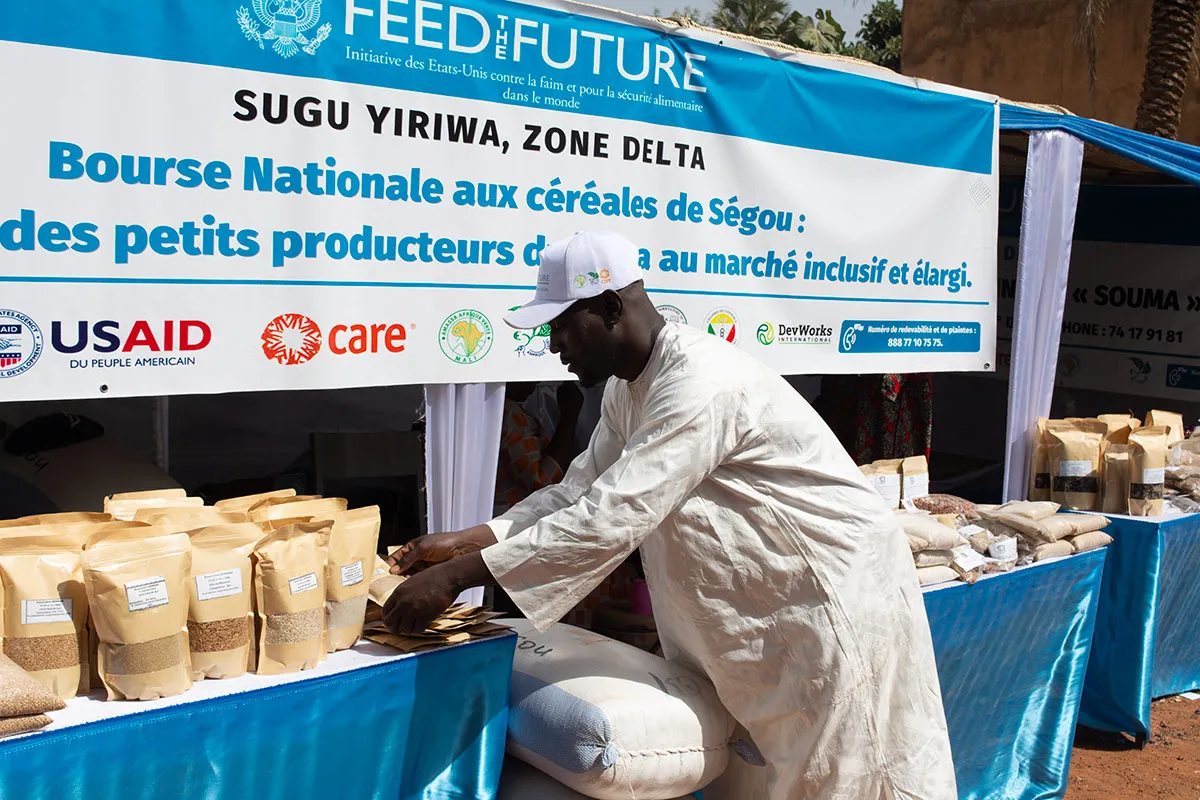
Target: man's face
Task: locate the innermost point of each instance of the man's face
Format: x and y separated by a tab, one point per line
584	343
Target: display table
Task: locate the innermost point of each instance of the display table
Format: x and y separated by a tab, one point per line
1012	651
367	723
1147	641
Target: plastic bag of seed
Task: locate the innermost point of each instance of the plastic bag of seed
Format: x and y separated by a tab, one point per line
348	573
220	611
245	502
45	607
296	507
138	596
289	583
23	701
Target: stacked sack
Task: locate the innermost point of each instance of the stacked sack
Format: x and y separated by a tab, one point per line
948	545
1042	532
160	590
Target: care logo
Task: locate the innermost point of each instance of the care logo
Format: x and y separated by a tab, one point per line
20	343
766	334
672	314
535	343
291	339
286	24
465	336
721	322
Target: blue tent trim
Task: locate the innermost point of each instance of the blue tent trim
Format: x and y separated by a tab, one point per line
1172	158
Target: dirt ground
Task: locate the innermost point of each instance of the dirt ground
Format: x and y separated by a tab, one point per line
1106	766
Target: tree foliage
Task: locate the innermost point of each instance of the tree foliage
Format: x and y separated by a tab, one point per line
878	38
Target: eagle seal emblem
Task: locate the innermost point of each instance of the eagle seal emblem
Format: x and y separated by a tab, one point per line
286	23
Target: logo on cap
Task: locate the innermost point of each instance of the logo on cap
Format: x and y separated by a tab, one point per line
465	336
722	322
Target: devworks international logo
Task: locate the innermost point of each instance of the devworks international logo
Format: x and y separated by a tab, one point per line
20	343
291	339
787	333
465	336
286	22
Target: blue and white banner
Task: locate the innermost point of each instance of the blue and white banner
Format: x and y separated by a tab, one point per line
274	194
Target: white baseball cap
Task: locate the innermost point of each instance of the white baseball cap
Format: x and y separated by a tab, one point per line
580	266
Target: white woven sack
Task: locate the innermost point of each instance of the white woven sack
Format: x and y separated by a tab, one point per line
519	781
611	721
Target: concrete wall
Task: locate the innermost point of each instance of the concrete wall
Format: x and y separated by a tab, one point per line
1029	50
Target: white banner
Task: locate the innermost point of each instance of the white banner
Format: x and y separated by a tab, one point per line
231	196
1132	319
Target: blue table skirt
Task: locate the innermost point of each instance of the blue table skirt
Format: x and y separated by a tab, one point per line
431	726
1012	652
1147	641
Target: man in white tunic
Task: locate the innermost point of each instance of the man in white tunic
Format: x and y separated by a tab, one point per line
774	569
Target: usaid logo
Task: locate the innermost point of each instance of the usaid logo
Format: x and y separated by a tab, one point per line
20	343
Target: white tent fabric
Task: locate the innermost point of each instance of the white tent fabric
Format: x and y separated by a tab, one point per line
1052	173
462	445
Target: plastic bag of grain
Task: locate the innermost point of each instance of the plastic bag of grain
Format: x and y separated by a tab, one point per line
926	533
126	505
295	508
1075	447
1039	469
611	721
45	608
246	502
220	611
350	561
915	471
1171	420
289	584
138	595
23	700
1147	470
188	518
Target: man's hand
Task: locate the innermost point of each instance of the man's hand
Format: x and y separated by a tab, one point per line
418	601
425	551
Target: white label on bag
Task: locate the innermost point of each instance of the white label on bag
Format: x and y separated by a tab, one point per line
970	530
888	486
916	485
1075	469
1003	549
215	585
147	593
352	573
966	559
304	583
1154	475
38	612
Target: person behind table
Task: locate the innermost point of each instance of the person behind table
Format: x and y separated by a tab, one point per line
773	567
533	455
532	448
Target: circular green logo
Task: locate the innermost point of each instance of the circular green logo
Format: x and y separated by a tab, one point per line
465	336
766	333
672	314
